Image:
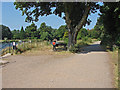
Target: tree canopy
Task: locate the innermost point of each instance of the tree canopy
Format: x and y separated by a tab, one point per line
111	21
31	31
6	33
22	33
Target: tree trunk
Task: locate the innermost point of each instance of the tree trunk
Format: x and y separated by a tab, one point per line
74	32
69	40
81	23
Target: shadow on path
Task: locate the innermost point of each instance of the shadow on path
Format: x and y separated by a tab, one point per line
92	48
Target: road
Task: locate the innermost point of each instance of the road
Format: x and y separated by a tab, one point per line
89	69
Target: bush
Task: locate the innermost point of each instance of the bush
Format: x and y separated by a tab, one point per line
73	50
85	39
65	40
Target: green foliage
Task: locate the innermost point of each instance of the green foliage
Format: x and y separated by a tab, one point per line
45	32
48	33
65	40
81	43
45	36
6	33
16	34
85	39
73	49
75	14
22	34
74	9
31	31
110	18
118	40
62	31
65	34
82	33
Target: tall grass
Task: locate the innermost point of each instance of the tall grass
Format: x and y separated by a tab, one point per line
25	46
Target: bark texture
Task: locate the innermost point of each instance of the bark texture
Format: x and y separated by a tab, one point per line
73	32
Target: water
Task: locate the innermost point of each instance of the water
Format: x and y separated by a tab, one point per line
5	45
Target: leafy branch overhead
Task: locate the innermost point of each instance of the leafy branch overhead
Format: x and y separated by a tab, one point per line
74	13
75	9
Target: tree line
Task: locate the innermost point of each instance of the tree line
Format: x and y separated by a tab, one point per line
45	32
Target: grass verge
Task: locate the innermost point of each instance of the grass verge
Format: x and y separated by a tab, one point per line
115	65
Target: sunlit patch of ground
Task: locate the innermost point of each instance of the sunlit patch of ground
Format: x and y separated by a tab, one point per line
46	50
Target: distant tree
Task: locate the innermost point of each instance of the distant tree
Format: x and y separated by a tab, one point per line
83	33
45	32
98	30
45	36
6	33
60	32
22	33
16	34
31	31
54	34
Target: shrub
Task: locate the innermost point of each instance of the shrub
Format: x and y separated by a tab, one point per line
73	49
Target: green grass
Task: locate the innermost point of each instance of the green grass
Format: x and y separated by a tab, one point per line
25	47
44	45
114	57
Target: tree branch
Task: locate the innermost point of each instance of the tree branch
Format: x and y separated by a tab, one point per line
83	20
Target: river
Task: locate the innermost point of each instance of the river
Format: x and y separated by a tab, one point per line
4	45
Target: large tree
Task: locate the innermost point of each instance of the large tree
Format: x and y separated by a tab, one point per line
6	33
111	21
75	14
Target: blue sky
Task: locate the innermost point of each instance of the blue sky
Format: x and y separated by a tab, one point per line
14	20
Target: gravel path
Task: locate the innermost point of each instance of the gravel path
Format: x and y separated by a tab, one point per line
89	69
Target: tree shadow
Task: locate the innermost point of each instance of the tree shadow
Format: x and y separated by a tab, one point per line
91	48
60	49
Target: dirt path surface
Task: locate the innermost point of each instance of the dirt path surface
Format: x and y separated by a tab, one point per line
89	69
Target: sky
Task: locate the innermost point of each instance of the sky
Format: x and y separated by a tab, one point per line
14	20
